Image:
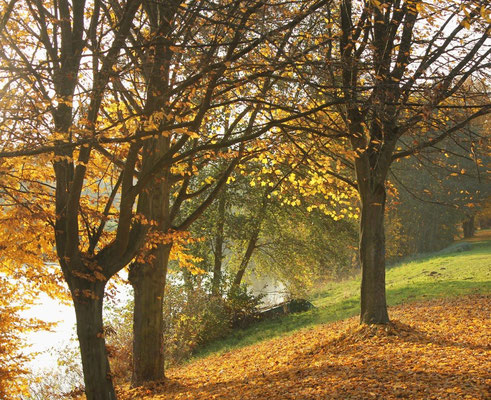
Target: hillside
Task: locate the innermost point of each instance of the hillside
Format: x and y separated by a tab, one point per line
437	347
435	350
461	269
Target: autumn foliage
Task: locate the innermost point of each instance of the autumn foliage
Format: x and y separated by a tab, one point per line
122	122
14	352
433	350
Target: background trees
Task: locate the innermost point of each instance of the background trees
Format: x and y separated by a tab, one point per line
436	192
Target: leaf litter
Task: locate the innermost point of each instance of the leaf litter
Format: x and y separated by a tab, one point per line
437	349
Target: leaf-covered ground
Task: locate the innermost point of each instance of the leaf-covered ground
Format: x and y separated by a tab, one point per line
435	350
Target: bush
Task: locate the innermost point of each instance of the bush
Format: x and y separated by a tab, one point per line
242	307
194	318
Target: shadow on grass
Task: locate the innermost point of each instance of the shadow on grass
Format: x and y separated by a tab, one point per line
457	249
428	290
346	308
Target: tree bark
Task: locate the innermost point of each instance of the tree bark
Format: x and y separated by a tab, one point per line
372	257
88	300
468	227
148	281
245	260
217	267
148	278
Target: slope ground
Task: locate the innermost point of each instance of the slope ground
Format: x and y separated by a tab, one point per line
437	348
461	269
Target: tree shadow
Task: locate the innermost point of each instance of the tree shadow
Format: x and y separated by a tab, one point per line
364	379
403	360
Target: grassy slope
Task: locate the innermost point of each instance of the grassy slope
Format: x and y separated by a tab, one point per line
448	273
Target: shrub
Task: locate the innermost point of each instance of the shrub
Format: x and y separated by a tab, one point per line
194	318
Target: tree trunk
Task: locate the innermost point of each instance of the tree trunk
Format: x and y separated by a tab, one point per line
468	227
148	277
217	267
245	260
251	246
148	281
372	257
90	332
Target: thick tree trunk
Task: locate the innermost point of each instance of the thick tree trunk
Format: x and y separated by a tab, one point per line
372	257
148	281
148	277
90	332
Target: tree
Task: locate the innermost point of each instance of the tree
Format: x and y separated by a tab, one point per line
401	72
176	92
267	198
205	81
16	298
40	115
400	68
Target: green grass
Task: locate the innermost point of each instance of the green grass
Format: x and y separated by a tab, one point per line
450	272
